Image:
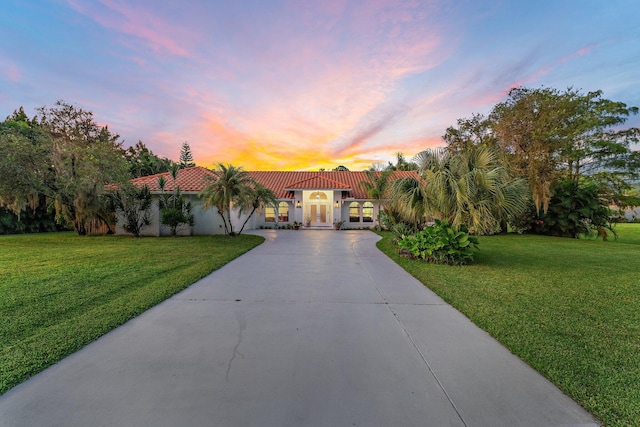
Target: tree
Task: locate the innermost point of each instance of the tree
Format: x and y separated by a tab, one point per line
175	210
471	132
377	187
133	206
25	152
85	157
260	197
63	155
402	164
143	162
550	134
472	188
186	158
230	186
341	168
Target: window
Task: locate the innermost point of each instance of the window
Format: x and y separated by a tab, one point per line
283	212
367	212
354	212
318	195
269	214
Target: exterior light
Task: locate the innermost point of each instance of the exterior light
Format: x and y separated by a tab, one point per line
337	204
298	204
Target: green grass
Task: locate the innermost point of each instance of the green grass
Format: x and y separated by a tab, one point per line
60	291
569	308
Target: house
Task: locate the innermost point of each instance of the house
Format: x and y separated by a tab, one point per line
316	199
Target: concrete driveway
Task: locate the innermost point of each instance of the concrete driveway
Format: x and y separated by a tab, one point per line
312	328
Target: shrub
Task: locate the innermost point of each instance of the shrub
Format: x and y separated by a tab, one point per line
575	208
440	244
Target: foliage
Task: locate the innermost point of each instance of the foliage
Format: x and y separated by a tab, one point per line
30	220
133	206
63	155
377	187
476	131
175	210
567	307
574	209
259	197
142	162
25	153
186	158
229	187
440	244
550	133
473	188
59	292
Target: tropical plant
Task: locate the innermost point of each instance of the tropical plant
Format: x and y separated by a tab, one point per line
377	187
229	187
133	207
175	210
471	188
259	197
440	244
575	208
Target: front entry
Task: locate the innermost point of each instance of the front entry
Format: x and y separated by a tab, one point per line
318	214
318	209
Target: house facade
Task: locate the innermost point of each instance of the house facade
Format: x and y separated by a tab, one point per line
315	199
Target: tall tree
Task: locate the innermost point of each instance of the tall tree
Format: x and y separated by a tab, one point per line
25	170
63	155
229	187
550	134
84	158
186	158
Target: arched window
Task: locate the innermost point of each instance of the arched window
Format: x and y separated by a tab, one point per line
283	212
318	195
367	212
269	214
354	212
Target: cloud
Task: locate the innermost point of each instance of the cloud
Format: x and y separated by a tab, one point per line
137	21
11	72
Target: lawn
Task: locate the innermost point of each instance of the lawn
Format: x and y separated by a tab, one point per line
570	308
60	291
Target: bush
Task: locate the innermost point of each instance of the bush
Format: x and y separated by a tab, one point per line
440	244
575	208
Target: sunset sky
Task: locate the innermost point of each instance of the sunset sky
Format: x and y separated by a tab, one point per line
302	85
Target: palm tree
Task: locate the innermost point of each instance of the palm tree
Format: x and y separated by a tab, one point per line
229	186
260	197
472	188
377	187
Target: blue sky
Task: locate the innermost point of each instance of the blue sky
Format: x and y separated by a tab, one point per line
286	85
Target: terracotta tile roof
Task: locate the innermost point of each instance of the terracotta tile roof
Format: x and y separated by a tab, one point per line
318	183
280	182
189	180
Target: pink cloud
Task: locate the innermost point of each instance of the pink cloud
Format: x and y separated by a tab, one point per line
580	52
158	34
11	72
